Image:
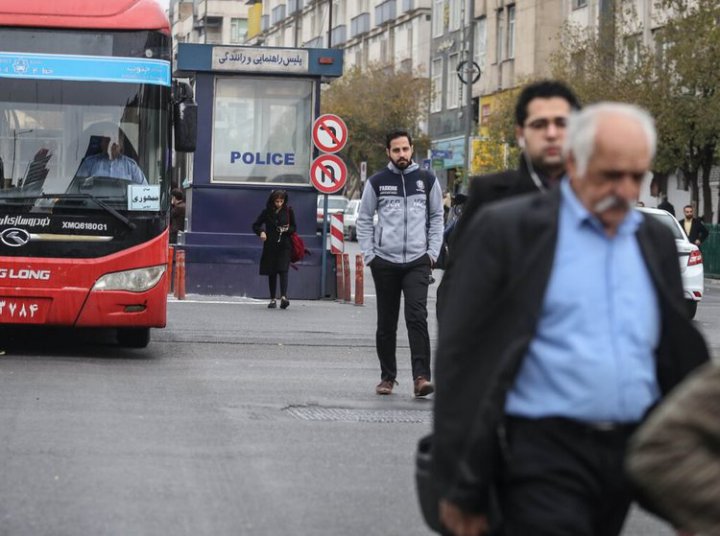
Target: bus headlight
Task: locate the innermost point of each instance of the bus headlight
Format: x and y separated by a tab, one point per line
138	280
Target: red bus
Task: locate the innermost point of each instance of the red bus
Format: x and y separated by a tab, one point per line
86	110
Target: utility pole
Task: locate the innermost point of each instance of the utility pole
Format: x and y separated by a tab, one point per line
469	79
330	4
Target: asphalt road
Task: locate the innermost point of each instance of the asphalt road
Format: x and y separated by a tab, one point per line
235	420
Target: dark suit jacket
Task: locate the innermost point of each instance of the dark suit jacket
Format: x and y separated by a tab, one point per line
698	231
486	189
492	296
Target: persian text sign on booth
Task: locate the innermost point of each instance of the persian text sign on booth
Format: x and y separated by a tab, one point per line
271	60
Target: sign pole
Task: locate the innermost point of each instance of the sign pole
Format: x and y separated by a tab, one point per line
328	172
323	254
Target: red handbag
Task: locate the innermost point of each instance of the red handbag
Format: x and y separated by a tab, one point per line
297	245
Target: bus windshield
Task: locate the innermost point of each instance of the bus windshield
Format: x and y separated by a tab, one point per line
84	112
69	137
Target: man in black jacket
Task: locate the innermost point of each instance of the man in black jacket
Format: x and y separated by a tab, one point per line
694	227
563	324
541	114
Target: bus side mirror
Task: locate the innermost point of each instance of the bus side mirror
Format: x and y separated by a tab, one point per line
184	117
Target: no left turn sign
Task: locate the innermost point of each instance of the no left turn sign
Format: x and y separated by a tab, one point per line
329	133
328	173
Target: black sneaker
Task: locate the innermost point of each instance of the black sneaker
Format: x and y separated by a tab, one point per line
272	304
284	303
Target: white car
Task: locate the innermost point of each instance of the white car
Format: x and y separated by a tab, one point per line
350	219
690	256
336	204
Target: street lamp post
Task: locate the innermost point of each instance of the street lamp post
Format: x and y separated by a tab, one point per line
469	80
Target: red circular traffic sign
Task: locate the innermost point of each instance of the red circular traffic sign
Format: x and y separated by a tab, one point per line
328	173
329	133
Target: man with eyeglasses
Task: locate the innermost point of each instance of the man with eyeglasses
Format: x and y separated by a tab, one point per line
541	115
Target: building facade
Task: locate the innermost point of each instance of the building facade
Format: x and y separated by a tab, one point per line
511	42
208	21
370	32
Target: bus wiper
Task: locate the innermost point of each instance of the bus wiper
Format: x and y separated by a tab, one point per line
107	208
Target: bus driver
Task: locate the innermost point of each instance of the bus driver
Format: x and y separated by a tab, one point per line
110	162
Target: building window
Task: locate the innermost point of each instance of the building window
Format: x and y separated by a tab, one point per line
438	18
579	3
253	119
511	31
662	45
480	42
238	30
500	36
437	76
453	83
632	45
455	15
338	12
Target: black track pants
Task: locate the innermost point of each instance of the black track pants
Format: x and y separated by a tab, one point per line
411	280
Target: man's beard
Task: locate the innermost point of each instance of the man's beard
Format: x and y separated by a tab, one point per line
401	163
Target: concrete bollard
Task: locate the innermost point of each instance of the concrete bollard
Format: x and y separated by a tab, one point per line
346	277
359	280
171	255
340	283
180	275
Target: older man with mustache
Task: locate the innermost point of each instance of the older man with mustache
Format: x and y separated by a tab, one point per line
564	323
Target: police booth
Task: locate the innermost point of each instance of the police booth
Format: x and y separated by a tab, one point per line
256	107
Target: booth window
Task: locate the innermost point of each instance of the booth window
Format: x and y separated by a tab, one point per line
262	130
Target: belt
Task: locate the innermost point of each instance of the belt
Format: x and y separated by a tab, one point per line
598	429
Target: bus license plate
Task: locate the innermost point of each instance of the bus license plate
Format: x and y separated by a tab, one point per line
23	310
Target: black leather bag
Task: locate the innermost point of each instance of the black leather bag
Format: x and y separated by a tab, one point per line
429	496
427	492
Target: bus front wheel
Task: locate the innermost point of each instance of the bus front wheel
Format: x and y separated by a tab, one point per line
133	337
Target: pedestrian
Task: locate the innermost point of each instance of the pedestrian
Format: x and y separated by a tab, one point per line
400	251
667	206
274	226
541	114
693	227
564	323
674	457
177	213
447	205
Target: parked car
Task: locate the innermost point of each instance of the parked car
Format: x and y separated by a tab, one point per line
690	257
336	205
350	217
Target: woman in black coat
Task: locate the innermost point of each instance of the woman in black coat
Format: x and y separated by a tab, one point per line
274	226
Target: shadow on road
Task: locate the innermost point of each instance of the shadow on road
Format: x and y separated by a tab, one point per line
66	342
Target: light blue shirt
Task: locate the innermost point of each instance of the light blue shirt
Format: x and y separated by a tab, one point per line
122	167
592	357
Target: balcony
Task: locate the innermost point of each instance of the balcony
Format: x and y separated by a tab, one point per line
338	35
314	43
359	25
278	13
294	6
385	12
